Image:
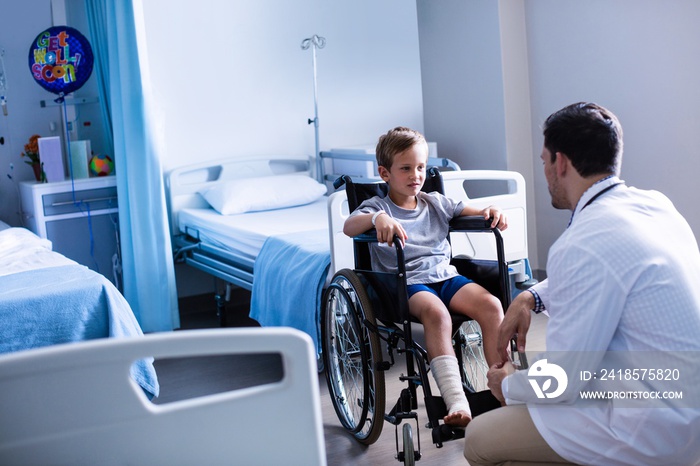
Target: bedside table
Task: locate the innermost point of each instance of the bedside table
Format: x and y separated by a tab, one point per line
81	219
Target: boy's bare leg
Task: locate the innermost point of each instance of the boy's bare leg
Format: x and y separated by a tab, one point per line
474	301
437	325
436	321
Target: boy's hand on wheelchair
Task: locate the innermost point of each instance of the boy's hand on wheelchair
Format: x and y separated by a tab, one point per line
387	228
499	219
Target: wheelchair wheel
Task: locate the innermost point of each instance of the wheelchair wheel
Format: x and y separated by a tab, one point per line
469	344
409	454
351	355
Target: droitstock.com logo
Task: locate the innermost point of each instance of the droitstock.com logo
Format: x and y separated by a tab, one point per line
540	376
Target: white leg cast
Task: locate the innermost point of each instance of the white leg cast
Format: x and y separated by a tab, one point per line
446	374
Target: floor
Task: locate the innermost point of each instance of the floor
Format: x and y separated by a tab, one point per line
185	378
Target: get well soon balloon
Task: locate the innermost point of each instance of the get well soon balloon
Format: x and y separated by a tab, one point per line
60	59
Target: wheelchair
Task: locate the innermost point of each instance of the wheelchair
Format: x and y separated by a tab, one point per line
362	308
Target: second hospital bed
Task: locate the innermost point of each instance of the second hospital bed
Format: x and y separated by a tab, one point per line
47	299
281	238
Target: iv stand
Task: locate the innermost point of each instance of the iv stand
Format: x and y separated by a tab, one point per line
318	42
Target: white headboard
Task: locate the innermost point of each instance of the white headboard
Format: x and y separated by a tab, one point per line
184	183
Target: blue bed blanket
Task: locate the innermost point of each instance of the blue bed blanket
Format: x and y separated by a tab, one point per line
65	304
288	279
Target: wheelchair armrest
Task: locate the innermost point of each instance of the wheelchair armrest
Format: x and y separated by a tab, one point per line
370	236
470	223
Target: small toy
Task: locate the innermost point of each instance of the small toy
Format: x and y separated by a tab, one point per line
101	165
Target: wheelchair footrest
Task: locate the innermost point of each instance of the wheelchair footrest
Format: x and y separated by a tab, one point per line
481	402
444	433
437	407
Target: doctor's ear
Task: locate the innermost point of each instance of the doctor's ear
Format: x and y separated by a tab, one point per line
561	162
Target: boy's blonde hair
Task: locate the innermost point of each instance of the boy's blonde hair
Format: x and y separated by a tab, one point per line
394	142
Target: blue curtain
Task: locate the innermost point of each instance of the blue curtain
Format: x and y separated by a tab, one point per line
148	272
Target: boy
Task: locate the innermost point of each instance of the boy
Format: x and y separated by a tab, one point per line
421	221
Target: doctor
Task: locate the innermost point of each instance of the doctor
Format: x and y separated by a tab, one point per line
624	277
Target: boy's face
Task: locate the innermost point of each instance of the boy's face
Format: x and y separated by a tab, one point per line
407	173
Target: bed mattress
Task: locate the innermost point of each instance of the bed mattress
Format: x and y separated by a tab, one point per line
245	234
21	251
49	299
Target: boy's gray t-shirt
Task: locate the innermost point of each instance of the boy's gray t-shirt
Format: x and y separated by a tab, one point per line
427	251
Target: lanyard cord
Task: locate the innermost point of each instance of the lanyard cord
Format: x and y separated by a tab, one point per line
596	196
590	201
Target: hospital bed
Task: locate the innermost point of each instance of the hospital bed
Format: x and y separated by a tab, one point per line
237	219
286	254
74	404
47	299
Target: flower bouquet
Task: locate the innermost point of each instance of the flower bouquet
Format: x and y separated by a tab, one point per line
31	151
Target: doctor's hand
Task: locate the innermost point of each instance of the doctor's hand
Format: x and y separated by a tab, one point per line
495	376
387	227
516	323
499	219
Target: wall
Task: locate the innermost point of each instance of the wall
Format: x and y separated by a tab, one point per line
639	58
475	88
23	21
493	71
240	84
516	106
462	81
230	79
490	73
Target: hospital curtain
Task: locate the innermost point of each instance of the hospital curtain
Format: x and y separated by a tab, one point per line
148	273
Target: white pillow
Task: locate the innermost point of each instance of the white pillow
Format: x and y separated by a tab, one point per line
263	193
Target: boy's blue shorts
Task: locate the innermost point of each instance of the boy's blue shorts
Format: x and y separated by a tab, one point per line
444	290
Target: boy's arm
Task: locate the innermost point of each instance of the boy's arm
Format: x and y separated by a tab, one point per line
358	224
499	219
386	226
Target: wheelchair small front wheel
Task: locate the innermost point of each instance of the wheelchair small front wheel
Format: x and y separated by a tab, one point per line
409	453
352	354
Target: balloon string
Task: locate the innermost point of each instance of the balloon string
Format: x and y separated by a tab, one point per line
76	202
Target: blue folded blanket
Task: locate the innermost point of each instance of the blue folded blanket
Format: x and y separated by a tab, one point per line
66	304
289	274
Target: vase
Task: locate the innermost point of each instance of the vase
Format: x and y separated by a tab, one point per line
38	172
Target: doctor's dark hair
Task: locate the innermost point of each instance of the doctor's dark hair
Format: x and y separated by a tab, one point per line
394	142
589	135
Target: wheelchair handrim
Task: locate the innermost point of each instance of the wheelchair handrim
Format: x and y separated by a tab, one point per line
336	384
